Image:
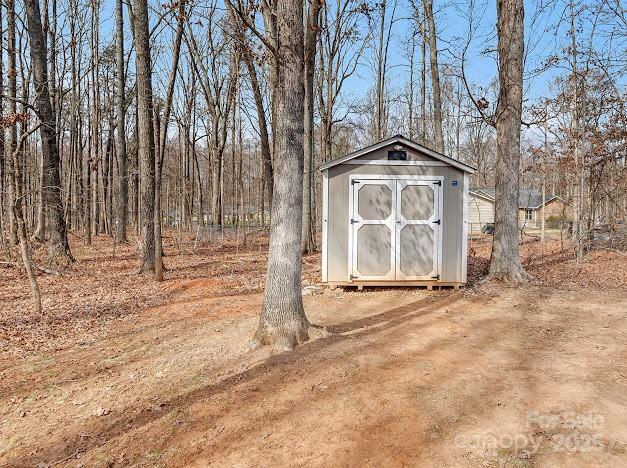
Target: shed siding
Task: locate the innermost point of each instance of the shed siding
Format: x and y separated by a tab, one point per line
338	215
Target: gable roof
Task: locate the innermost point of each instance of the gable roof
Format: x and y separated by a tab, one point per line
404	141
527	197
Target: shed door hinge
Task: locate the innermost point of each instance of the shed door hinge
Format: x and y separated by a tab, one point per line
354	221
353	182
439	221
436	277
352	277
438	182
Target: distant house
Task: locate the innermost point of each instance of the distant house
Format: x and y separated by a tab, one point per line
481	208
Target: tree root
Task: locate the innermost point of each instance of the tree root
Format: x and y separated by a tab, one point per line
510	277
287	336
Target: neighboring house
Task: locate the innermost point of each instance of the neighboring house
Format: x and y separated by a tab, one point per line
481	208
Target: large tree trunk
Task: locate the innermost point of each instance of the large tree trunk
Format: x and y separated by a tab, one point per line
58	247
146	136
435	76
505	262
122	208
308	242
283	323
12	107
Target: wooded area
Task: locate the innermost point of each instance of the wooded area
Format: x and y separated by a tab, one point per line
165	176
195	117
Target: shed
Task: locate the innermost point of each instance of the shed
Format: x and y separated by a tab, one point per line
394	214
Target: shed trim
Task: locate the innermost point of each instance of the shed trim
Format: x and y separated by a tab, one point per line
482	195
465	228
325	223
399	139
385	162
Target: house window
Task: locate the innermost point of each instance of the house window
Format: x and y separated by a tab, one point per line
529	215
397	155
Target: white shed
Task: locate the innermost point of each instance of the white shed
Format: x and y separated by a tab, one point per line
394	214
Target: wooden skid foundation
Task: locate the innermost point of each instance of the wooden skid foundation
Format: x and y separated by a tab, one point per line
429	285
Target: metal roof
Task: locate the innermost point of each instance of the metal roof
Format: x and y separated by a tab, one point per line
404	141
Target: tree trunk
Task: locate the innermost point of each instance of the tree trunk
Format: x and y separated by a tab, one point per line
410	90
266	156
146	135
18	208
423	84
435	76
12	107
283	323
95	120
122	208
2	136
379	117
579	185
163	133
58	247
505	262
308	242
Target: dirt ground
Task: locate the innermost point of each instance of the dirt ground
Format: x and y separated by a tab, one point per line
122	371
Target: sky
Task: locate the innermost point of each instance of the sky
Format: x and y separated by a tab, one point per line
546	34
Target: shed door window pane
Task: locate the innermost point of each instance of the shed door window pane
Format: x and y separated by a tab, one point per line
416	244
417	202
374	244
375	202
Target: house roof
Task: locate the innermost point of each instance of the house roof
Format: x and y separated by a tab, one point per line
527	197
405	142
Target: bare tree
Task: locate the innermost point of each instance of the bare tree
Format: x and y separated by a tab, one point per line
435	75
505	262
19	209
312	28
163	133
145	134
12	108
58	246
383	39
341	49
283	323
249	61
218	76
120	83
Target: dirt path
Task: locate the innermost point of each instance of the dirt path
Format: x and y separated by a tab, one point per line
527	377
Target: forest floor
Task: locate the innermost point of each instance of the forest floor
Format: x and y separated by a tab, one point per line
121	370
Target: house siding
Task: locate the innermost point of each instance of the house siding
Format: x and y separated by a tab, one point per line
480	212
558	208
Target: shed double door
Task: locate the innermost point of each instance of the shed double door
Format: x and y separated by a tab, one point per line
395	229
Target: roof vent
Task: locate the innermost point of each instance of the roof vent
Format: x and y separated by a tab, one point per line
398	154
